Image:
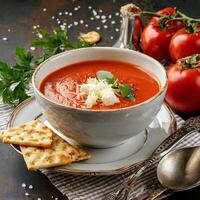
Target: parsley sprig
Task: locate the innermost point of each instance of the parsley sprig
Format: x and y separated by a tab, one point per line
15	79
126	91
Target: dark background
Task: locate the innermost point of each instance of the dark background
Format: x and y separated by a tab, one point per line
20	16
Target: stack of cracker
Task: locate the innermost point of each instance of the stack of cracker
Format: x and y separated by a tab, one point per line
41	147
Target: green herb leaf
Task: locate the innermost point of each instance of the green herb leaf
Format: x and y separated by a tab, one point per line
126	91
15	80
106	75
23	58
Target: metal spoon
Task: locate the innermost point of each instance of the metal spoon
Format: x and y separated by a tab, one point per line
180	169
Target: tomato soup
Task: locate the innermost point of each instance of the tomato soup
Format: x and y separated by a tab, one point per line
62	86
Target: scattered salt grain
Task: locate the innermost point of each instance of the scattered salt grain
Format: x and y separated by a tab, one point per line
39	35
103	17
30	187
78	7
58	22
64	24
100	11
94	12
75	23
97	17
23	185
26	194
56	198
34	27
117	14
109	16
32	48
62	27
86	25
105	26
89	7
60	13
92	18
75	8
70	14
66	13
113	22
9	30
5	39
117	30
38	26
81	21
111	37
44	9
53	17
39	198
98	28
104	21
69	26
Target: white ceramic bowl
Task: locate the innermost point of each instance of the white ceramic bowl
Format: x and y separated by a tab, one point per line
100	128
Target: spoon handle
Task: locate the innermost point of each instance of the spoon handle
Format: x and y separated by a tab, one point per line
191	125
124	190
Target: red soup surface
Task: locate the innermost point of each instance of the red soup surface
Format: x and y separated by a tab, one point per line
62	86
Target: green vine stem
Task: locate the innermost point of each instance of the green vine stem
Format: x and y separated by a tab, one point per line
191	24
190	62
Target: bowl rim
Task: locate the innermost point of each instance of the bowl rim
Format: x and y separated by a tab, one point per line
36	90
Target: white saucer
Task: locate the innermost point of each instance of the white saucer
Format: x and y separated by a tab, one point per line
108	161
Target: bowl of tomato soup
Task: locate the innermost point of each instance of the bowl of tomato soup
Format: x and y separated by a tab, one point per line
100	96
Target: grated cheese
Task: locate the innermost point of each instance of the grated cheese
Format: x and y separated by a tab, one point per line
98	91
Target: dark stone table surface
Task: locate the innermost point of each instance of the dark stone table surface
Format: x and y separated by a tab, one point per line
17	18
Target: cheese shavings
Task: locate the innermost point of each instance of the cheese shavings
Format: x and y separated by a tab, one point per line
98	91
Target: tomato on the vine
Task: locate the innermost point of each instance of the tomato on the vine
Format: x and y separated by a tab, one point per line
155	38
184	44
183	93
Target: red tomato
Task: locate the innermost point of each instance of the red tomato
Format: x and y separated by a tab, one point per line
155	41
183	93
184	44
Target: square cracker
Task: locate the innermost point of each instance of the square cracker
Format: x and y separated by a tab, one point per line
60	153
33	133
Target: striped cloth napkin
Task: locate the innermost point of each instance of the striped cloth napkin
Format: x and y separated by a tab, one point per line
77	187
